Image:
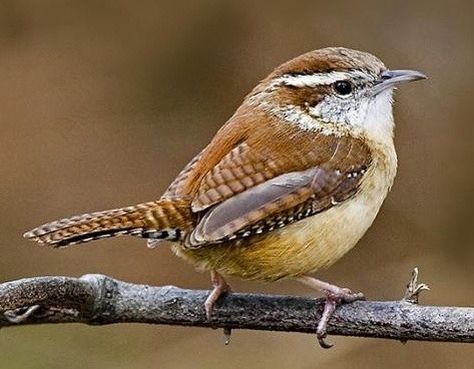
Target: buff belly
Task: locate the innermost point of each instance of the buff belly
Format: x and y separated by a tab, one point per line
299	248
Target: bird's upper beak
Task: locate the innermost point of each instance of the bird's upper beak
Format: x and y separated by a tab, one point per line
391	78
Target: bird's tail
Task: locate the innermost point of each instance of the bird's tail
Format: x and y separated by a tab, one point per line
163	219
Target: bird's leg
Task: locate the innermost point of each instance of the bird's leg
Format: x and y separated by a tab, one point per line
220	287
334	296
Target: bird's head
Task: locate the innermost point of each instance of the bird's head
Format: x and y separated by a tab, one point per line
334	89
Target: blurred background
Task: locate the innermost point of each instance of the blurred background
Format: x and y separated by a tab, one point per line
103	102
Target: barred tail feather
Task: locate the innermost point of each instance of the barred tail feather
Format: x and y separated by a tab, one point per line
159	220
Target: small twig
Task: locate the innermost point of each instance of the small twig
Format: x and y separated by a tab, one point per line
98	300
414	289
412	292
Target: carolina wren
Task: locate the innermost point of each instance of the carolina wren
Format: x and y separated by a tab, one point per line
287	186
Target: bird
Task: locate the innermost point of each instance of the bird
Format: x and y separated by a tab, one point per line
285	188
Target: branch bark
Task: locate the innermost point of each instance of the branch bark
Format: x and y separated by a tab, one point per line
98	299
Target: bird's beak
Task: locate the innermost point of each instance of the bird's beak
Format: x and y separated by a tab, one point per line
391	78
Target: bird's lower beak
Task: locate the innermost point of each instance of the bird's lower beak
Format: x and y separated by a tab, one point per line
391	78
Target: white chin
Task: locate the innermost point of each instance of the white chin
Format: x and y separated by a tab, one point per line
378	122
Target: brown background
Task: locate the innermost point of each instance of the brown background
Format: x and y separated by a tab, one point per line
103	102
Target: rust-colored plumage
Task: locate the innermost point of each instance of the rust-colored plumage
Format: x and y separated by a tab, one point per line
287	186
259	174
151	219
257	183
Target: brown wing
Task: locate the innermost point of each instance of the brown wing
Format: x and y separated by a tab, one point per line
256	160
250	149
240	199
277	202
259	173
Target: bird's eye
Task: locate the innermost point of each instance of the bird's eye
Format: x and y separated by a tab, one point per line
343	87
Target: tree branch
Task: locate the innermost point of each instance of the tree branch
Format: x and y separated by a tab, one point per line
97	300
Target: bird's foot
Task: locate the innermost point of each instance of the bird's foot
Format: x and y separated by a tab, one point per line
220	287
334	296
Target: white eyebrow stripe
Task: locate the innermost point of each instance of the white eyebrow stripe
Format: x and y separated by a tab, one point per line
318	79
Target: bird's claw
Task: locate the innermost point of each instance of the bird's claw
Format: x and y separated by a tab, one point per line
227	333
321	336
220	287
20	315
334	297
